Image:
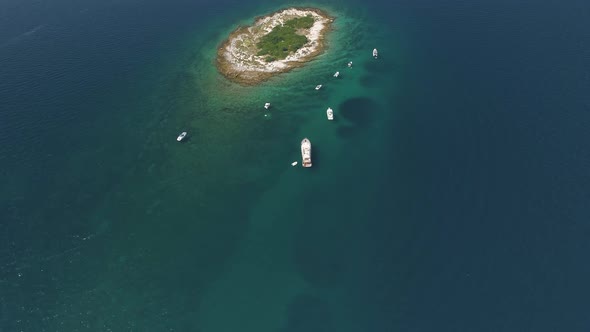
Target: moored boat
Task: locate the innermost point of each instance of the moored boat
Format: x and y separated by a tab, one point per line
267	105
375	53
181	136
306	152
330	113
319	86
350	64
337	74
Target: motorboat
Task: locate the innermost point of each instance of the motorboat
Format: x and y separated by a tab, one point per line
181	136
306	152
319	86
294	163
350	64
267	105
330	113
375	53
337	74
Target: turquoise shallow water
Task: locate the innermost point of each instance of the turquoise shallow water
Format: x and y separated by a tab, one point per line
448	194
274	266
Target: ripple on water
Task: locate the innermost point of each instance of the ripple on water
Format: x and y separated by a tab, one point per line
377	65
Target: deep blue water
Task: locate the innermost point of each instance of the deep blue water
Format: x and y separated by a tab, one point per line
493	144
452	196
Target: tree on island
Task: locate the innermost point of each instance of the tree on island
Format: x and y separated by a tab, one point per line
284	39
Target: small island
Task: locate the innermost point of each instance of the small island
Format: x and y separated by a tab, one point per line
275	44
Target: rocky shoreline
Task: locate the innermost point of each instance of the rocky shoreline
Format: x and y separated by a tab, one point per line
237	59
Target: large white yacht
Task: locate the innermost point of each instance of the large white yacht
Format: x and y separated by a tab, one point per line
306	152
330	113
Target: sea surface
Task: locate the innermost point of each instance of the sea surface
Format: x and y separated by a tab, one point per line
450	193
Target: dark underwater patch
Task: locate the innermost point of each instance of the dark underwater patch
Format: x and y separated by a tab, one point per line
359	110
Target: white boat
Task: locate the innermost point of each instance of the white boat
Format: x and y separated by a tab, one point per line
330	113
294	163
375	53
337	74
350	64
267	105
181	136
306	152
319	86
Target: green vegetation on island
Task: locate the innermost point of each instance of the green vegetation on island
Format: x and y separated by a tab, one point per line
284	39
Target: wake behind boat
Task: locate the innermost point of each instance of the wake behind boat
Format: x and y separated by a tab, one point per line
375	53
181	136
306	152
330	113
